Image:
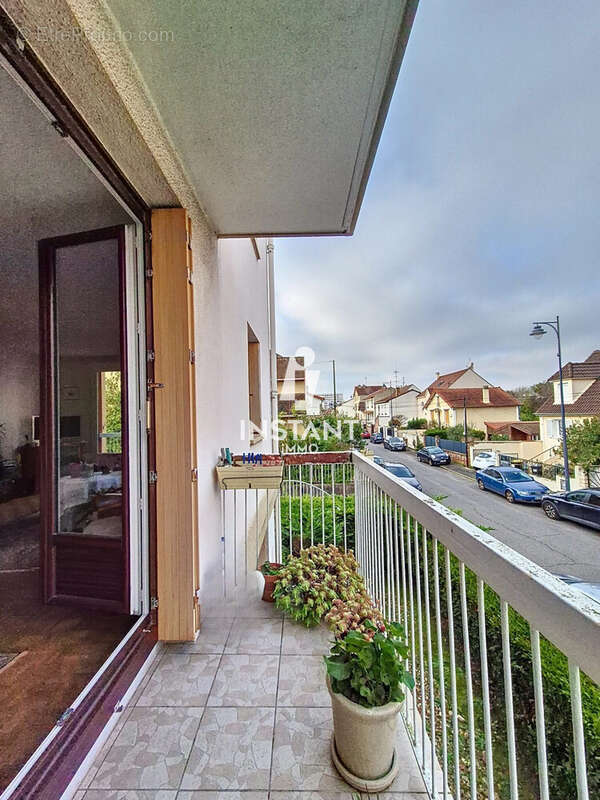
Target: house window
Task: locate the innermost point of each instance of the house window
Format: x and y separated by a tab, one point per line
254	413
109	411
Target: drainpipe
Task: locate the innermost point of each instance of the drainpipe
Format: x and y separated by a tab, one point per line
272	346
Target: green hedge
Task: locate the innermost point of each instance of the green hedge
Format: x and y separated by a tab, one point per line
320	506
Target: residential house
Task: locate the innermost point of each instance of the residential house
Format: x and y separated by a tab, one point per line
143	178
315	404
400	404
355	406
581	390
291	383
370	404
465	378
448	407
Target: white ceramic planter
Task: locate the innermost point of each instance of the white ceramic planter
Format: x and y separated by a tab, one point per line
363	747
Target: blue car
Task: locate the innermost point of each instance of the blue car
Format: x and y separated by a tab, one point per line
514	484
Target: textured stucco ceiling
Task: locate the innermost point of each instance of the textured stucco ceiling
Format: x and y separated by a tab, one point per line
274	107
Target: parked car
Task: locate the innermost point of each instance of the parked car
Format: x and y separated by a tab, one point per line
582	505
484	460
394	443
378	460
590	588
365	435
433	455
404	473
377	438
513	484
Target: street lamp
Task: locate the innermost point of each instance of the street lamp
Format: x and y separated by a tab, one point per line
538	331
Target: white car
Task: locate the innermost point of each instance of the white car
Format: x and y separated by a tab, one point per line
483	460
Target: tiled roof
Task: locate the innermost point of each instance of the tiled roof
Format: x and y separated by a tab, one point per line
444	381
363	390
455	398
525	427
588	404
590	368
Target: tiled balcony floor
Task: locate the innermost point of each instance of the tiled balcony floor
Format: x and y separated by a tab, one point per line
240	714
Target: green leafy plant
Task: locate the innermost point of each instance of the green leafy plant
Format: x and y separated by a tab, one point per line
271	569
310	583
416	423
369	669
357	614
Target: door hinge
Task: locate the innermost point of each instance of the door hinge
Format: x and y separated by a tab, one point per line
192	357
152	476
153	603
150	355
154	385
194	474
65	716
189	276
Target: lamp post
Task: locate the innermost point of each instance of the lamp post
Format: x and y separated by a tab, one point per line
538	331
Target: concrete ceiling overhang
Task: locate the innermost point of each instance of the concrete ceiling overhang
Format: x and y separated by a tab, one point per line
274	107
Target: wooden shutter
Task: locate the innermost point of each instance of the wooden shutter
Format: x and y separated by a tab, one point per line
175	414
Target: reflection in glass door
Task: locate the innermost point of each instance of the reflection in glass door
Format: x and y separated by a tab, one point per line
85	393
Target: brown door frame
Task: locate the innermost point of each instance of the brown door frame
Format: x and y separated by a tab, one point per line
56	766
50	539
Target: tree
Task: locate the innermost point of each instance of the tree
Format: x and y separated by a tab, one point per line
531	398
583	443
416	424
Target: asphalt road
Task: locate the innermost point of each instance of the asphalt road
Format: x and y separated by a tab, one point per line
557	546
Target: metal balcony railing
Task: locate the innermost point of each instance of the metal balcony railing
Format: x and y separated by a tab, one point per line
506	658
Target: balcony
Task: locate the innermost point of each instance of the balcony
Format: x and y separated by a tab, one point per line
506	659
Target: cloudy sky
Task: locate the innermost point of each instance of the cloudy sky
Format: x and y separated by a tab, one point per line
481	213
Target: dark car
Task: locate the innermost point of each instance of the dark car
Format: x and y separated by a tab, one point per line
512	483
377	438
433	455
582	505
403	472
394	443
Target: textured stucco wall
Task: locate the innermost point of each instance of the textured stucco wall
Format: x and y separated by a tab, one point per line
48	26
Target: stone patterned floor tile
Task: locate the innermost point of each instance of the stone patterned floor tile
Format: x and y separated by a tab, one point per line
130	794
102	753
301	751
348	795
223	796
255	637
244	680
181	679
210	640
409	778
301	641
150	751
302	682
232	750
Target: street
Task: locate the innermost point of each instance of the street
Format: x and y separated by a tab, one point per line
557	546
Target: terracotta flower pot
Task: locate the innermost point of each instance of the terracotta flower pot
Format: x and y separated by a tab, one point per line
363	747
270	582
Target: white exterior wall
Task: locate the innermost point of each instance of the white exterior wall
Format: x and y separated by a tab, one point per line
405	405
231	292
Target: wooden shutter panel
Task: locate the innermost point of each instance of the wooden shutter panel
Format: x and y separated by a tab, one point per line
176	496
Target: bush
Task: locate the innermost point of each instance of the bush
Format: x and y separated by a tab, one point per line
416	423
311	582
321	507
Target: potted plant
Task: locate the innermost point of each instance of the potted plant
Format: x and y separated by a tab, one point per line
271	572
366	681
311	582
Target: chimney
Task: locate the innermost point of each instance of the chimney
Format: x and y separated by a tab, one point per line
486	394
437	374
471	365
